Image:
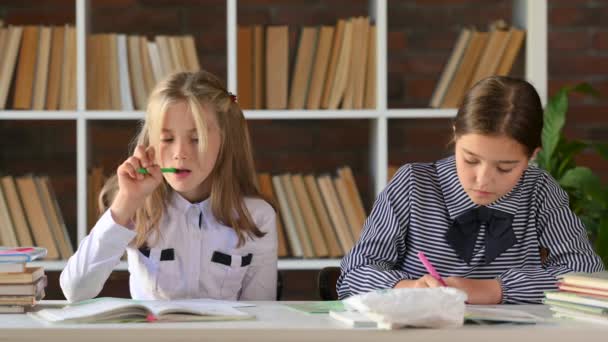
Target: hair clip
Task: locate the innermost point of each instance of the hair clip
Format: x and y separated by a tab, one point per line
232	97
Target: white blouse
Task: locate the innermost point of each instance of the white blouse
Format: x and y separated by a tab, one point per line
193	256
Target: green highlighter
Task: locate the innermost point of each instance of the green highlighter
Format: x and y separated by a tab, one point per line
163	169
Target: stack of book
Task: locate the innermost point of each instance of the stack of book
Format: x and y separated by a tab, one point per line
20	286
581	296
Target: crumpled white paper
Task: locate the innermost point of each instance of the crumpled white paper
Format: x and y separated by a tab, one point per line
440	307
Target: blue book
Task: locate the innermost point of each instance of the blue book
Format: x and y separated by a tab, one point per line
21	254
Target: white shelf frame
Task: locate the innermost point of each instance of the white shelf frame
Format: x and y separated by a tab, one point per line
528	14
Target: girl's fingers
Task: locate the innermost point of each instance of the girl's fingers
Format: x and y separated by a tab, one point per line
140	153
431	281
150	154
135	164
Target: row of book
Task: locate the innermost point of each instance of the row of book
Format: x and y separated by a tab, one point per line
30	216
42	62
581	296
319	216
122	70
334	66
21	287
477	55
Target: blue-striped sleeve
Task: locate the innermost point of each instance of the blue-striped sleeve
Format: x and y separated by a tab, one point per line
373	261
564	235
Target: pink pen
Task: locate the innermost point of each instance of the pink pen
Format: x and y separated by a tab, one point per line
429	268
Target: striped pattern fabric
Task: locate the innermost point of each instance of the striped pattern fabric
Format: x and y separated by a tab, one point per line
415	210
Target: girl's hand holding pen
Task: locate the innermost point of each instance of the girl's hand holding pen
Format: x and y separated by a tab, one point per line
134	186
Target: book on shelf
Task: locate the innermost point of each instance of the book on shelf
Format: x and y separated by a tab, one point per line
16	211
340	81
12	309
277	66
244	66
54	216
12	41
371	72
336	214
12	267
55	65
337	41
578	298
596	280
265	184
298	218
26	69
516	39
583	289
476	55
104	310
28	275
8	234
258	67
462	78
310	217
295	246
7	300
25	289
42	69
21	254
490	58
34	211
319	69
322	215
450	68
302	71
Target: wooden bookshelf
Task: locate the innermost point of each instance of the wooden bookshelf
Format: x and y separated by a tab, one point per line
530	15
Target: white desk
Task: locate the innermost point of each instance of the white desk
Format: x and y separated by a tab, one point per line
276	322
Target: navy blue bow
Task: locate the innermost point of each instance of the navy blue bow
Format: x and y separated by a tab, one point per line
465	227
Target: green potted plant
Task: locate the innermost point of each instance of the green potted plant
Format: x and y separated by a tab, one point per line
588	195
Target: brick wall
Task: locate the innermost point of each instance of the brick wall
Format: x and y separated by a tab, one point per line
421	36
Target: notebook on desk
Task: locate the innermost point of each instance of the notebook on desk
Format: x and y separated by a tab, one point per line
114	310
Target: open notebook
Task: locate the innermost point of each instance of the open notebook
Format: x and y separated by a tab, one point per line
105	310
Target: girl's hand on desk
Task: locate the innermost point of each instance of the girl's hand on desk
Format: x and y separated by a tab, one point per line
479	291
134	187
425	281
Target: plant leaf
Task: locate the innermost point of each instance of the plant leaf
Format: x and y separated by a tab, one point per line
584	180
602	149
554	119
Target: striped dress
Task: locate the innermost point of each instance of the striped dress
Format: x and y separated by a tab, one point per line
415	210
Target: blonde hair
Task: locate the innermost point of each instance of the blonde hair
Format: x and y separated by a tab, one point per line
107	194
233	177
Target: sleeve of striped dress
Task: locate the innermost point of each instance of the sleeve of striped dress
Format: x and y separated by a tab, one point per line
372	262
564	235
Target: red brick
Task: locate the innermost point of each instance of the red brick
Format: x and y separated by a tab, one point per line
580	65
210	4
569	40
420	88
600	40
205	18
417	65
433	41
40	17
397	40
37	3
588	114
571	16
155	21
